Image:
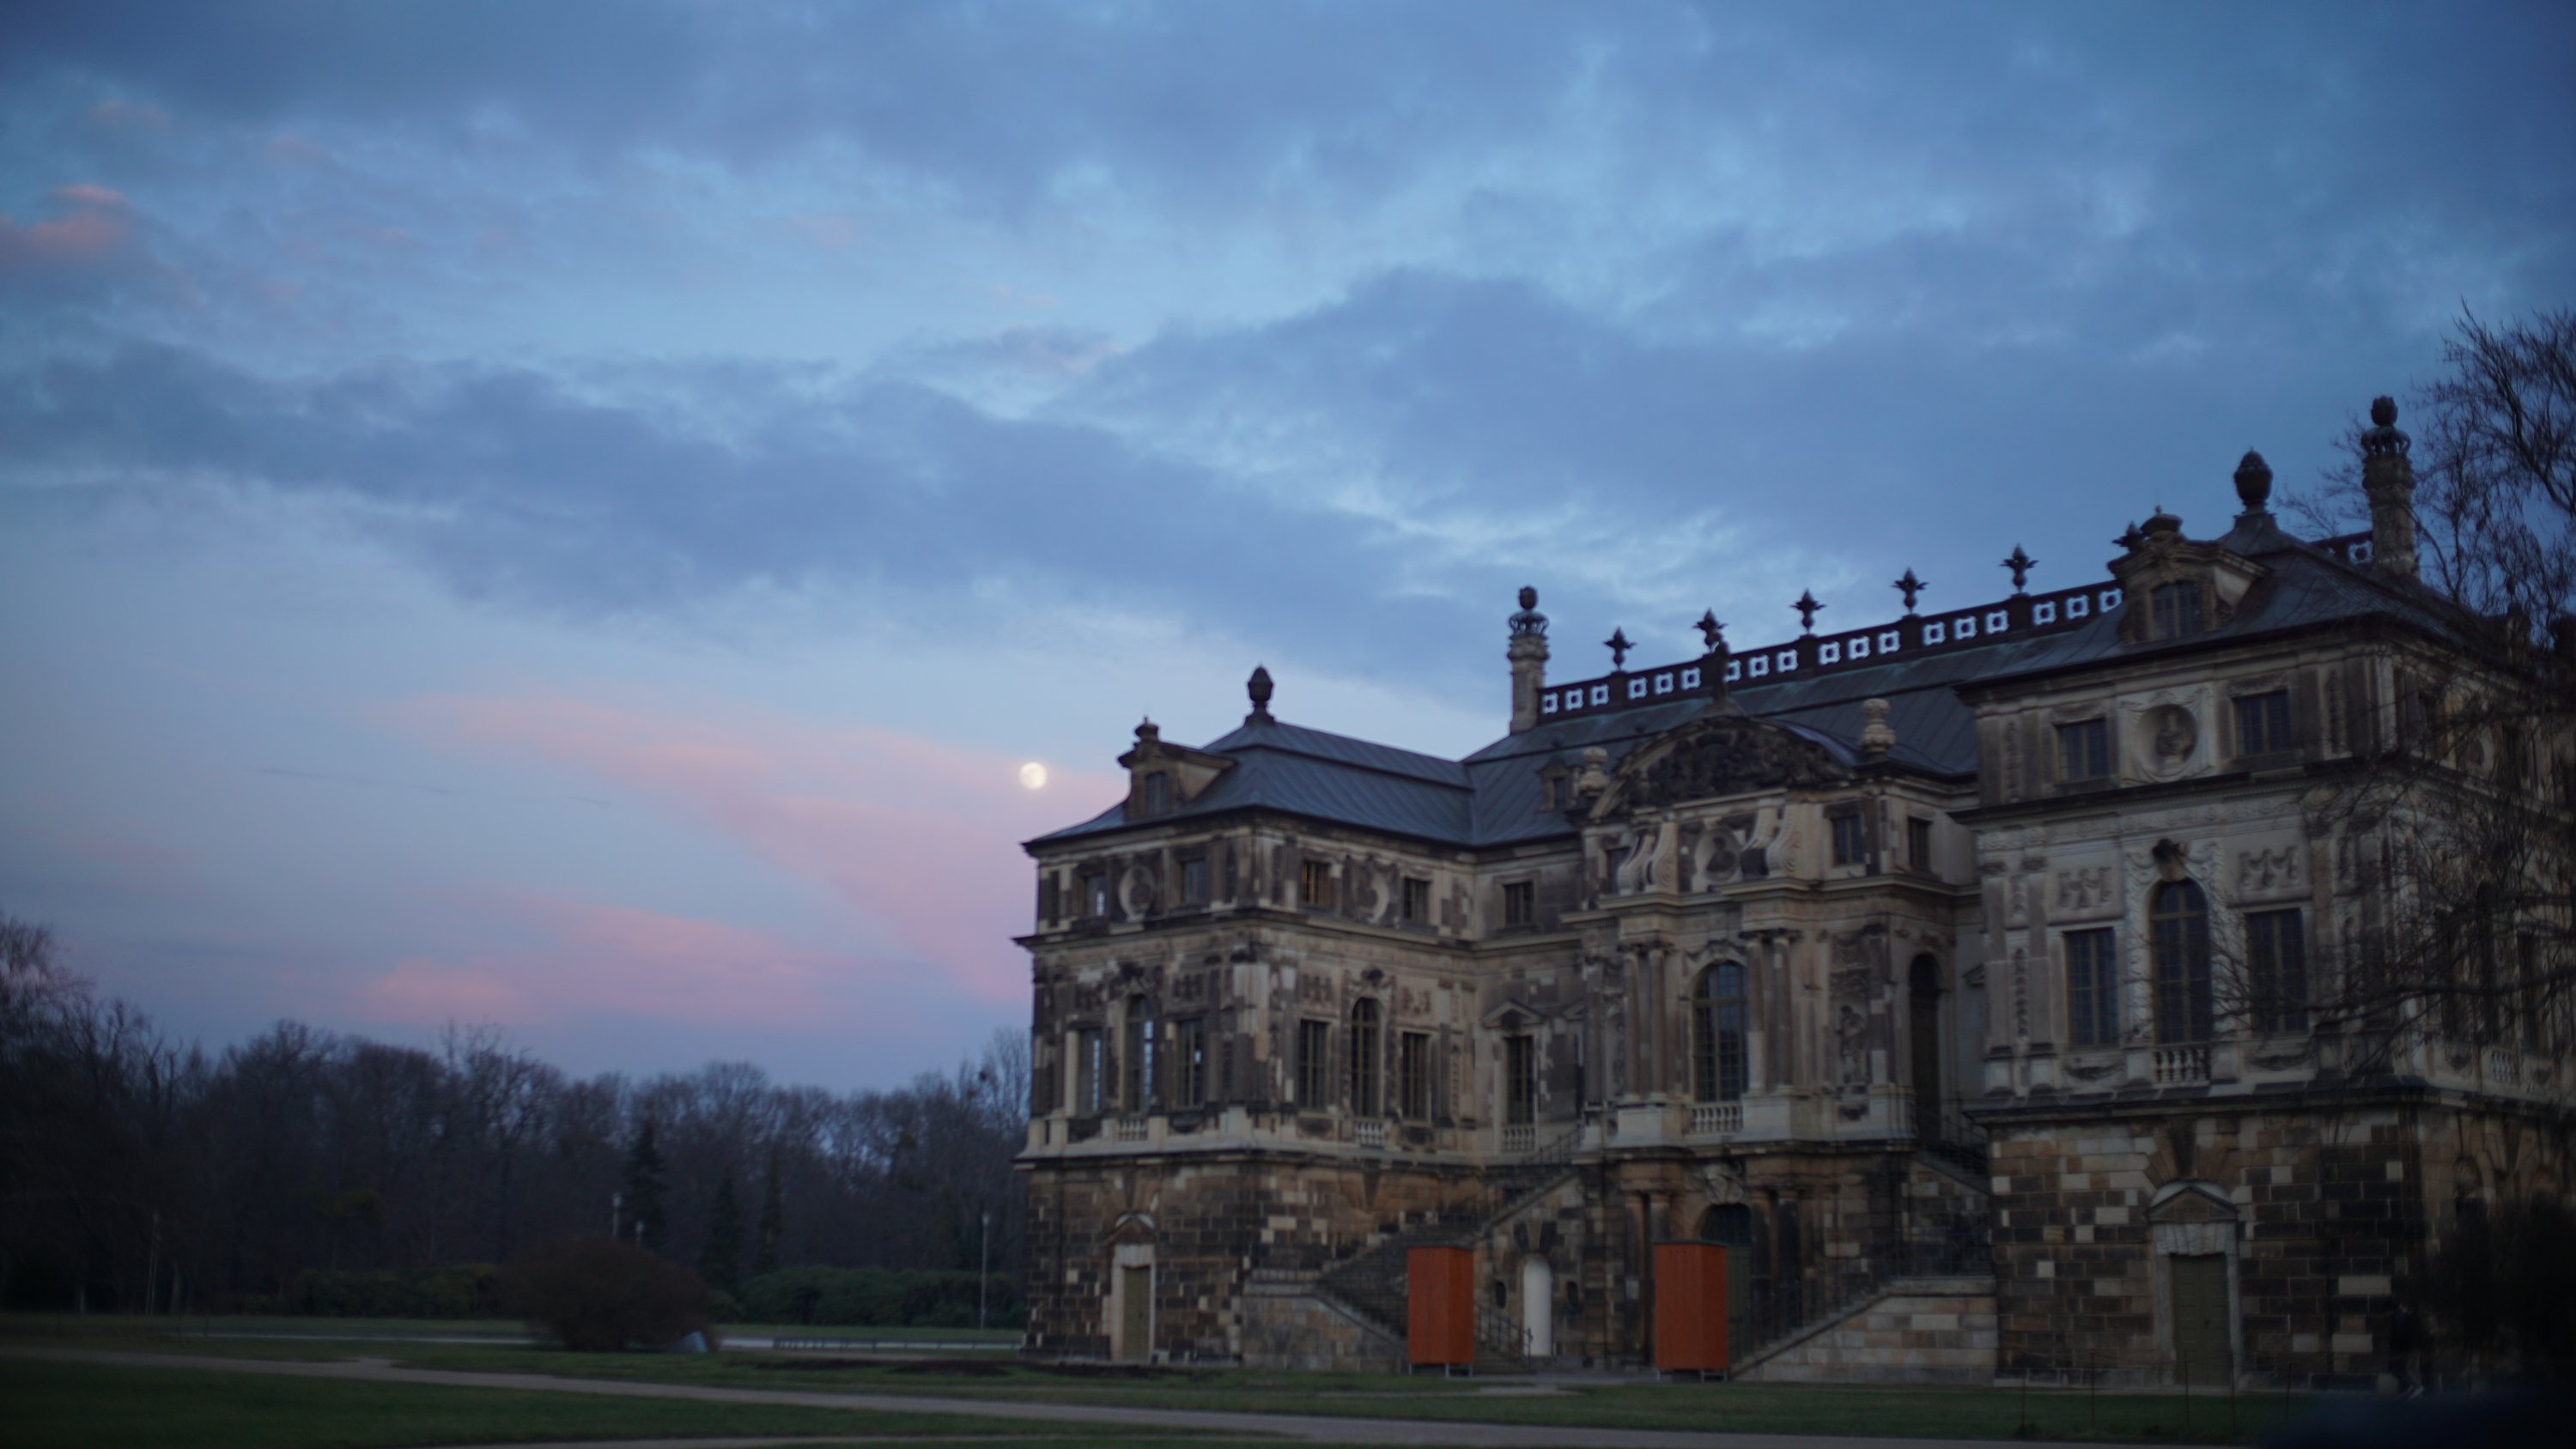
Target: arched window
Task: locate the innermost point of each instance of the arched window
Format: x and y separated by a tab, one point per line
2178	923
1364	1055
1717	1034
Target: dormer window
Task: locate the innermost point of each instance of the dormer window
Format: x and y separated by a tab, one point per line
2175	610
1158	793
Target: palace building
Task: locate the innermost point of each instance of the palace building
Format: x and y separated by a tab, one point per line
1972	975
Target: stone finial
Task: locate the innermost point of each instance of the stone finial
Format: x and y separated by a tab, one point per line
1909	586
2254	482
2382	436
1876	737
2020	564
1618	646
1148	734
1807	607
1529	622
2161	524
1594	777
1259	688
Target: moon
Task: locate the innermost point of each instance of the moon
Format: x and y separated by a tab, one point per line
1033	775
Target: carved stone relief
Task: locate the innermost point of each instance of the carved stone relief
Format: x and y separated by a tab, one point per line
2162	734
2084	889
2268	871
1723	755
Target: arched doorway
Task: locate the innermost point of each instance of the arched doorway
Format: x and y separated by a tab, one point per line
1538	1306
1923	1024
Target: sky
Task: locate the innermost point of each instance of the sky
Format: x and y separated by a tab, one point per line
575	516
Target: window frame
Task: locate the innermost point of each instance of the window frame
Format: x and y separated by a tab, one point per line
1720	1010
1414	1075
1095	894
1158	793
2179	949
1194	879
1189	1063
1136	1060
1090	1063
2092	987
2263	724
2093	736
1315	884
1520	1080
1918	843
2277	978
1366	1034
1415	906
2174	609
1850	843
1314	1064
1520	905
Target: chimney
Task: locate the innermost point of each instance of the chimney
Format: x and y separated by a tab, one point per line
2389	480
1528	653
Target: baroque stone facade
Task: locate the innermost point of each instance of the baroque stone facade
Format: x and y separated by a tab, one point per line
1966	959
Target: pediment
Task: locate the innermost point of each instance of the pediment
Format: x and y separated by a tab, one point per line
1714	757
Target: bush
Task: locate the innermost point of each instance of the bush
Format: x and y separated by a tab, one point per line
596	1294
470	1290
876	1298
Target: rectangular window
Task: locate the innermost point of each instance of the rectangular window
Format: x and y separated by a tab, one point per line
2084	750
1918	844
1520	1080
2276	959
1520	903
1194	881
2176	610
1413	1074
1095	895
1189	1063
2263	723
1417	901
1136	1065
1314	1064
1851	840
2092	990
1364	1047
1314	883
1087	1076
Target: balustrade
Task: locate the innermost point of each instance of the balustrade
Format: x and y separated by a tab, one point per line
2181	1065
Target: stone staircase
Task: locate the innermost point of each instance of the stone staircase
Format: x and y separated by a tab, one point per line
1371	1282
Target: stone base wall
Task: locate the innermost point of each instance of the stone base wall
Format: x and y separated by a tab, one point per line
1288	1325
2326	1220
1923	1331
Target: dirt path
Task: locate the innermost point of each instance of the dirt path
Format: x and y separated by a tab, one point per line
1310	1428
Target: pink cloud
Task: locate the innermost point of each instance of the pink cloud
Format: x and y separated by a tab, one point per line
91	230
592	959
920	836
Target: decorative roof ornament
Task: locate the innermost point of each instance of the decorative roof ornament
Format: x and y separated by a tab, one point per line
1259	688
1529	622
2020	563
1807	607
1712	634
2382	438
2130	538
1619	646
1877	737
2254	482
1910	586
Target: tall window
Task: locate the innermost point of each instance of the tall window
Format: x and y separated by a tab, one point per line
1717	1034
1189	1063
2263	723
1520	1080
1095	895
1364	1058
2276	959
1314	883
1088	1048
1520	903
1851	840
1158	793
1314	1064
1413	1071
1918	844
2092	990
2178	923
1417	900
2175	610
2084	750
1194	881
1136	1064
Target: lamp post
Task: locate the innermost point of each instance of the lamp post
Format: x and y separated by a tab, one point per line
984	1271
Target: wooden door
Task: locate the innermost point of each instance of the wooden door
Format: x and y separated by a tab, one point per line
2200	1338
1135	1314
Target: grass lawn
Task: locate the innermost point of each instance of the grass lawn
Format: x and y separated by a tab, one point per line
57	1325
1774	1408
69	1405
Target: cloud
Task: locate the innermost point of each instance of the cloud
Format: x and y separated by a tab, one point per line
88	235
918	837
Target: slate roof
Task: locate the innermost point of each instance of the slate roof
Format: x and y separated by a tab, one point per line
1491	797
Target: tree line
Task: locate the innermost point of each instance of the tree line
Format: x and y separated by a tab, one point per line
140	1174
